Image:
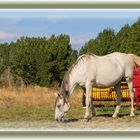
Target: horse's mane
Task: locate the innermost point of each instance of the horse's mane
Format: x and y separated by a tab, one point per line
82	57
65	81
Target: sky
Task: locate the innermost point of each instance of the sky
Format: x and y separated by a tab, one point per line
80	25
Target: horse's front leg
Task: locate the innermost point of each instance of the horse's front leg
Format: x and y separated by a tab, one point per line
93	111
88	100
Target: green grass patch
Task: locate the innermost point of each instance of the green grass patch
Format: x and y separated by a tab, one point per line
27	114
47	113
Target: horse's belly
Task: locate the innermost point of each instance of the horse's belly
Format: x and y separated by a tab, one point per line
108	74
107	81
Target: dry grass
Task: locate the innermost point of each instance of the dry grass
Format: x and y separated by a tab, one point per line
27	97
32	96
37	103
32	103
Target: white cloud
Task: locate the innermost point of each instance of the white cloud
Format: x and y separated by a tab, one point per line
79	41
7	36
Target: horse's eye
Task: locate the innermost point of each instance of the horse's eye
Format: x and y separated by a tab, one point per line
58	106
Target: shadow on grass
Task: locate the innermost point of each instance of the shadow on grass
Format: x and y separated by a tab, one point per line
110	115
70	120
121	115
97	116
75	120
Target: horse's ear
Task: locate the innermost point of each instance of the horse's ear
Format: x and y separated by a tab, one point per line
56	94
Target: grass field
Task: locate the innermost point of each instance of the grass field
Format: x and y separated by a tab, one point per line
33	108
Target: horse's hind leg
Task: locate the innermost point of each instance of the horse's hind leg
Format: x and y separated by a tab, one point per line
119	98
130	85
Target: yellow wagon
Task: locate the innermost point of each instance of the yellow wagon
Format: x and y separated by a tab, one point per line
108	94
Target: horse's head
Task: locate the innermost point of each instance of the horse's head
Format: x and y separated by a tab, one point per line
61	107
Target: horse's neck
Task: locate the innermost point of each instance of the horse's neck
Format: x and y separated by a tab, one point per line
72	84
67	86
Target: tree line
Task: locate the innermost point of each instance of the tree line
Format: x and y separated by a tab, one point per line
38	60
127	40
44	61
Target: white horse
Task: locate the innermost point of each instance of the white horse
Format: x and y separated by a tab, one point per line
96	71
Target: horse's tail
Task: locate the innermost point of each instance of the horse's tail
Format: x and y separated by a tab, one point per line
135	58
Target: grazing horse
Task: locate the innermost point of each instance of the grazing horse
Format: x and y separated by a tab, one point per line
96	71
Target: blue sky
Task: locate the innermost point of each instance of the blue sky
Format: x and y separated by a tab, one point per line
81	25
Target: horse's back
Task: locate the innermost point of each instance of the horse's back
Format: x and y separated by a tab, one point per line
105	70
109	69
118	58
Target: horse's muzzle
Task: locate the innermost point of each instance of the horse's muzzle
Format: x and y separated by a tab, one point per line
59	119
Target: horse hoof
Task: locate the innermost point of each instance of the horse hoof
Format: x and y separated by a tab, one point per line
114	116
86	120
132	115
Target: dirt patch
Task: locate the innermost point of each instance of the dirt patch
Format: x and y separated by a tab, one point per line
97	123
